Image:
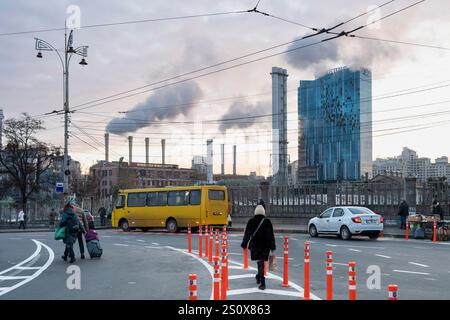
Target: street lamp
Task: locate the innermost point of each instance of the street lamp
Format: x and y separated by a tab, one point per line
69	51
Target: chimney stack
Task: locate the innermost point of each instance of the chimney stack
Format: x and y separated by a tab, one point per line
147	142
1	128
209	161
130	149
163	147
234	160
107	147
222	167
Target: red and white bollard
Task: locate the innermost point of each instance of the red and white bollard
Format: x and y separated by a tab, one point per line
216	289
434	231
200	241
286	263
393	292
206	242
407	229
192	286
245	258
216	234
211	236
329	275
352	280
306	294
224	286
189	239
265	268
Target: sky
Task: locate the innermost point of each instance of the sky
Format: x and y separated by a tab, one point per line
128	56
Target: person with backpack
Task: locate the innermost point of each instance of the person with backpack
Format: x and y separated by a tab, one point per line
403	212
260	240
73	225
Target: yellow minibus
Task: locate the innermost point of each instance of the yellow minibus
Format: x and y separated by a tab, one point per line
171	207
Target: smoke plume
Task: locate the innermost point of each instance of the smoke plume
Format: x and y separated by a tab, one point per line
165	104
243	115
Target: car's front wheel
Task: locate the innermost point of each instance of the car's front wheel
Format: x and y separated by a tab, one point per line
313	231
374	236
345	233
171	225
124	225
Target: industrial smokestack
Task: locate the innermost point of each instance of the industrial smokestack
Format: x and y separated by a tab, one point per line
147	142
234	159
222	166
1	127
130	149
106	147
209	160
163	147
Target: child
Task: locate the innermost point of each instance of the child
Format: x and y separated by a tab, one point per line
93	241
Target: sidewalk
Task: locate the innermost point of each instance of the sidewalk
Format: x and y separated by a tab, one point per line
39	229
389	231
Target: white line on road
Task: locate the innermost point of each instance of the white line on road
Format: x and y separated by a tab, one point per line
151	247
140	240
295	239
155	243
340	264
28	268
240	276
431	279
330	245
51	257
13	277
267	291
235	254
355	250
120	245
419	264
412	272
383	256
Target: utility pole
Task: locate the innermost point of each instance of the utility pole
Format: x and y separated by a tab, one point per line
69	51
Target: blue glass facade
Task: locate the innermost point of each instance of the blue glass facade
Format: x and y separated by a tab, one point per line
335	126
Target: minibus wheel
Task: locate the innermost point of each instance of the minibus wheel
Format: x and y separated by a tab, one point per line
124	225
171	225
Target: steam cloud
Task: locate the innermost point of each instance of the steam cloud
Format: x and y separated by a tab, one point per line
163	105
351	52
244	110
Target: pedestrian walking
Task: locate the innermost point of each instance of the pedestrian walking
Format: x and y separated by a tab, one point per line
73	225
102	213
437	210
260	240
51	218
83	217
21	219
403	212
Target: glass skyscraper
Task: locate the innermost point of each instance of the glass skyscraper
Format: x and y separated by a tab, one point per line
335	126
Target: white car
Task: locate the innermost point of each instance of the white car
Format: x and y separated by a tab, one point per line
347	221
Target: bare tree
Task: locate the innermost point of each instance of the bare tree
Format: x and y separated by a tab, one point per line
24	157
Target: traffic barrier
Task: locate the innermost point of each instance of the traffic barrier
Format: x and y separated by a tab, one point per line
206	242
192	286
200	241
434	231
216	234
352	280
306	294
329	275
407	229
393	292
245	258
189	239
265	268
286	265
211	236
224	228
224	286
216	289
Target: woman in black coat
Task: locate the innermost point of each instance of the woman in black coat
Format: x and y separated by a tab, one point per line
262	241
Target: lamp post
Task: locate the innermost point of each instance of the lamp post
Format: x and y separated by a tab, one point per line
69	51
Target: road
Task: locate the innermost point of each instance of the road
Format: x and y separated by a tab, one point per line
155	265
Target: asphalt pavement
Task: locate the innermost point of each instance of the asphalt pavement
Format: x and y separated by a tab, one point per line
156	265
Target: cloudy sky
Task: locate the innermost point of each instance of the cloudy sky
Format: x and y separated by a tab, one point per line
411	98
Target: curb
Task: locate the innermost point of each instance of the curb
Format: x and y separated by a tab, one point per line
389	235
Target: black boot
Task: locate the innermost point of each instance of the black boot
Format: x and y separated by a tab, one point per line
258	280
64	258
262	286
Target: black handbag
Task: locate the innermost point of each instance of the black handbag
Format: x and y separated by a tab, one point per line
253	235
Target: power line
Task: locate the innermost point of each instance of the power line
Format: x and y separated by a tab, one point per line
400	42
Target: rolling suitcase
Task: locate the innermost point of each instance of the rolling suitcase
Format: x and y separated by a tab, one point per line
94	249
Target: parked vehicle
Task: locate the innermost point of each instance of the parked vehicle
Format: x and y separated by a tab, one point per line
346	222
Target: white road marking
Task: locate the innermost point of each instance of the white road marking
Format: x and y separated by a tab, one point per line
155	243
28	268
330	245
151	247
235	254
282	258
431	279
36	254
120	245
383	256
267	291
340	264
295	239
355	250
131	282
14	238
419	264
240	276
140	240
412	272
13	277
